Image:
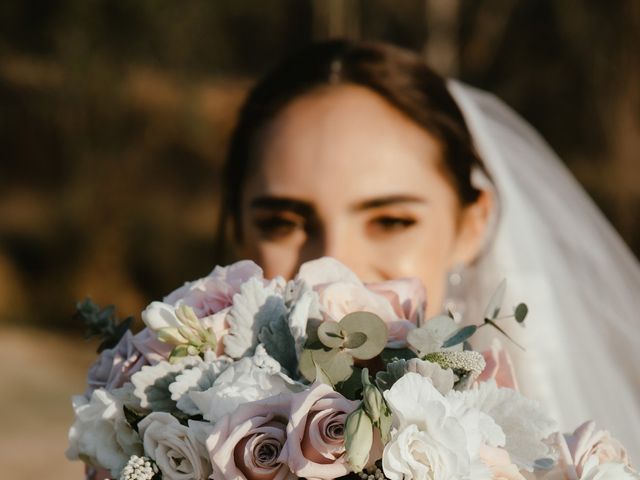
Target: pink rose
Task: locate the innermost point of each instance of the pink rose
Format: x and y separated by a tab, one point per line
499	462
210	294
499	367
399	303
115	366
586	443
315	446
249	443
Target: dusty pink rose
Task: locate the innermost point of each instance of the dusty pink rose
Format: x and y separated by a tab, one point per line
315	435
249	443
210	294
114	366
499	367
499	462
400	303
587	441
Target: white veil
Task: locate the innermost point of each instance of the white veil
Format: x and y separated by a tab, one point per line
560	256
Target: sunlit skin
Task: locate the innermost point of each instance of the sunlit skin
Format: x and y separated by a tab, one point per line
341	172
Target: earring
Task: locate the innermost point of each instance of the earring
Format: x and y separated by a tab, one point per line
454	300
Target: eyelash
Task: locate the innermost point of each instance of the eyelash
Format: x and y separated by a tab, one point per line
390	223
276	227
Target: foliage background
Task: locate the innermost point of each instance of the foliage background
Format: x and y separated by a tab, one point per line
114	118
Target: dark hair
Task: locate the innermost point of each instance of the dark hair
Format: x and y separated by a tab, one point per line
401	77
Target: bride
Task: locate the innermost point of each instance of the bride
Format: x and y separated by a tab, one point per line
361	152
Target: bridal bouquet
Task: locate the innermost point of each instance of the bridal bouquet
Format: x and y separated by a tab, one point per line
321	377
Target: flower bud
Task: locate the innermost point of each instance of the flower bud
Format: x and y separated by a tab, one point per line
358	434
372	398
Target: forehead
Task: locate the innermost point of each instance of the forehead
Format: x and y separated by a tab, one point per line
348	140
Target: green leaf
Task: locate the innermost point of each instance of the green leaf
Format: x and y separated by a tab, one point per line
351	388
389	355
330	334
373	327
133	417
497	327
521	312
495	304
460	336
394	372
279	343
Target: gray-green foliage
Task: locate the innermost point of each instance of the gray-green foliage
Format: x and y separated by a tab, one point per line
333	346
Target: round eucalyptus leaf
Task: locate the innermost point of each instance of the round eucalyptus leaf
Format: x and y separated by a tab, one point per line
355	340
372	327
336	364
521	312
306	366
330	334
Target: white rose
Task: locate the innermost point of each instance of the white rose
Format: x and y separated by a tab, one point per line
100	434
178	450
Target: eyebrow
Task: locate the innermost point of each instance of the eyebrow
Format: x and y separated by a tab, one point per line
304	208
386	201
276	204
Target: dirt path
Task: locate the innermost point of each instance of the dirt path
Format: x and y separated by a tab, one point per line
39	372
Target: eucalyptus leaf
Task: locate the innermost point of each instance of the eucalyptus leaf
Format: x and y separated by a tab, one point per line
355	340
460	336
306	366
495	304
321	376
373	327
337	365
330	334
521	312
133	417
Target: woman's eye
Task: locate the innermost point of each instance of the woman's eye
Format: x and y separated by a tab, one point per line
273	228
389	223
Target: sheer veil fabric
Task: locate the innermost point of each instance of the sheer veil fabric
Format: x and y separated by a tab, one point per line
560	256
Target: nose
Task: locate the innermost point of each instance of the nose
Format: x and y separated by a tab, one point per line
345	245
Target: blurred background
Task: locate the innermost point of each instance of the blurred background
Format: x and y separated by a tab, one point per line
114	120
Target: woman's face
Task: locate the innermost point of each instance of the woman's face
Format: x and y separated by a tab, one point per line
342	173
